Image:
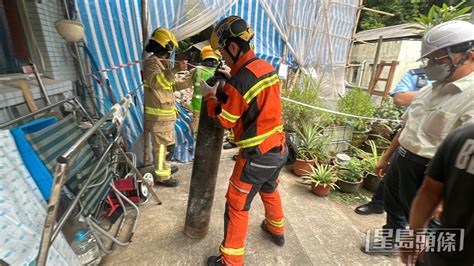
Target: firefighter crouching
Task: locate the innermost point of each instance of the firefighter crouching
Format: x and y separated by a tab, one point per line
160	111
252	108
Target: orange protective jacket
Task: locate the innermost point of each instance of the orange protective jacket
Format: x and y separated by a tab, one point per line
252	106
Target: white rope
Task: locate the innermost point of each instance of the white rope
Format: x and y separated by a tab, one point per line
340	113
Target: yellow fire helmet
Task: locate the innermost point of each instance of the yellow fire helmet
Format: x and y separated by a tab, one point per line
233	26
165	38
207	52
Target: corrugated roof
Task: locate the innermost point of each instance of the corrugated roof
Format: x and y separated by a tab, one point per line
391	32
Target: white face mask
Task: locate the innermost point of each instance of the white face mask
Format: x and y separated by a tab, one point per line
438	72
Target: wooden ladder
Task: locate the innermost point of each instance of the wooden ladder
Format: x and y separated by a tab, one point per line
388	80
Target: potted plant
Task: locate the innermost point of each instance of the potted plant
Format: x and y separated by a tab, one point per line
370	160
312	146
350	176
357	102
322	178
381	144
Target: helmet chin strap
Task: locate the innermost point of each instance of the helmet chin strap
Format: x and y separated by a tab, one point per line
454	67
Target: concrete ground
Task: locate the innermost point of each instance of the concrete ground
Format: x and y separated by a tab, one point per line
319	231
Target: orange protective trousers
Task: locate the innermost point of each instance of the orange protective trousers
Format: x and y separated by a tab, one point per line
252	173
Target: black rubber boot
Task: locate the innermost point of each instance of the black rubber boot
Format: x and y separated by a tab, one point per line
174	169
279	240
215	261
172	182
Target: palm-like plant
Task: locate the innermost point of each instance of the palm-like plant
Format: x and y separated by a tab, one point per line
369	160
322	174
312	144
438	15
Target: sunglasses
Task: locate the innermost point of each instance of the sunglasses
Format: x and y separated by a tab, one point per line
426	61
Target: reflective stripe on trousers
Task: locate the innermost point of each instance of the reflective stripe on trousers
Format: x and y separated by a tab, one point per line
162	171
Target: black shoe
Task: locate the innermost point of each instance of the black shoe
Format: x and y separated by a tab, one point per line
376	248
279	240
368	208
229	145
235	157
215	261
172	182
174	169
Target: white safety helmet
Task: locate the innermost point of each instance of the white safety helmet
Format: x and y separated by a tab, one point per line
445	35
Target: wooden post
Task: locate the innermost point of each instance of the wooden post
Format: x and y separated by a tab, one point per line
351	46
376	57
146	135
30	101
288	25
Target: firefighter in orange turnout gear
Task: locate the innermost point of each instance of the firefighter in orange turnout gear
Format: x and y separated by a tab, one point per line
252	108
160	112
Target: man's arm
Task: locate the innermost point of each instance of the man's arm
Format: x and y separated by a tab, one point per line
404	92
382	165
158	77
426	200
229	112
403	98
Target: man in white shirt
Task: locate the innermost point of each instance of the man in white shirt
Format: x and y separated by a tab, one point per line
448	55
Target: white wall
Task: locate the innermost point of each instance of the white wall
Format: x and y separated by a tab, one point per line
410	51
59	63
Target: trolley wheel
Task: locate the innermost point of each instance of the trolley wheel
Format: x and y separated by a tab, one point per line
148	178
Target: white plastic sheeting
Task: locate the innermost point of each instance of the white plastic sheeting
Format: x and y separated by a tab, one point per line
185	18
317	33
23	212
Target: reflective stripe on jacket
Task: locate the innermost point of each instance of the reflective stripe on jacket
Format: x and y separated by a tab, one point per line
160	83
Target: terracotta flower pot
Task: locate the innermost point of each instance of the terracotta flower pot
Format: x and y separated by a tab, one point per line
347	186
371	182
321	190
302	167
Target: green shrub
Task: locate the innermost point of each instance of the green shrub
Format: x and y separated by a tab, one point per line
356	102
307	91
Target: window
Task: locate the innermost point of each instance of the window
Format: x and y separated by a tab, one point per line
355	74
13	44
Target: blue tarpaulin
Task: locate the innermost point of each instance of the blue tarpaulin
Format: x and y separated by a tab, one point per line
316	32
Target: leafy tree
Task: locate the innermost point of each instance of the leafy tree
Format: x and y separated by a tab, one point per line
438	15
405	11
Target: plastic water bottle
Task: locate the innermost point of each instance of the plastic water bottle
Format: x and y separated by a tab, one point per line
86	248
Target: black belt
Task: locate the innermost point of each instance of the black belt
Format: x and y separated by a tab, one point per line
412	157
255	150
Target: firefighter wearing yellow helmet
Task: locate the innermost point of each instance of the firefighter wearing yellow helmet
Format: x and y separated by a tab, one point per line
209	61
251	106
160	112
